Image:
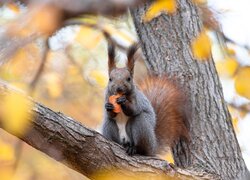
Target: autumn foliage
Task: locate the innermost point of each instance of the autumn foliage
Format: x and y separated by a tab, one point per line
75	74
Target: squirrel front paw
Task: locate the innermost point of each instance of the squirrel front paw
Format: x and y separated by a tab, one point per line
121	100
131	150
109	107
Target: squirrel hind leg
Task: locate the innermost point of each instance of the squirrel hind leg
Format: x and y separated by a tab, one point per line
143	136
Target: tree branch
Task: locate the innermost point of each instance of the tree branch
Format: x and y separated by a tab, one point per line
79	7
85	150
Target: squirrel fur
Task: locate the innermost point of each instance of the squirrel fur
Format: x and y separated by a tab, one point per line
153	113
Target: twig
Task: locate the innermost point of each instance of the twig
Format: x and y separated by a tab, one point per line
106	34
40	70
72	60
10	45
227	39
244	108
18	152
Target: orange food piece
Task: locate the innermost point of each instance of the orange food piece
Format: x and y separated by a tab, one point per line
112	100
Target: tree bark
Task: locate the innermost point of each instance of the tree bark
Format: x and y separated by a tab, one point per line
166	43
85	150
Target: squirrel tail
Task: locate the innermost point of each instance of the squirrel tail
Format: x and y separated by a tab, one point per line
171	110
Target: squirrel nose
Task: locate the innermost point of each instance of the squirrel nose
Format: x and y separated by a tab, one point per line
119	90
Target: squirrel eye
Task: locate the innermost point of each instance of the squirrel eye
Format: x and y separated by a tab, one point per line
128	79
110	79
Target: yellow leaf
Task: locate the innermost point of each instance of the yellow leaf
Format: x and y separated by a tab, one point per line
15	111
6	152
6	173
99	77
20	55
88	37
235	124
200	1
13	7
169	157
39	18
158	7
227	67
72	71
23	61
117	174
89	19
118	34
44	19
201	46
242	82
54	85
230	51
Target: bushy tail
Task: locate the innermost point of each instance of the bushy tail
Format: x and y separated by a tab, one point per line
171	110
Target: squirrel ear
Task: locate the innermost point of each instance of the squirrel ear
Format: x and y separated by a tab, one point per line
111	56
111	52
131	59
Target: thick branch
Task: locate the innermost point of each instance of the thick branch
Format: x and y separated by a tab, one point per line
78	7
85	150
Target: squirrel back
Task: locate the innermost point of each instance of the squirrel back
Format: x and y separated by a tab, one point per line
170	106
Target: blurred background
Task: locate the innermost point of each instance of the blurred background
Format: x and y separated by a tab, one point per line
74	75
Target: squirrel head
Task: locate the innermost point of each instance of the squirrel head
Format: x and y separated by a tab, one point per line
121	79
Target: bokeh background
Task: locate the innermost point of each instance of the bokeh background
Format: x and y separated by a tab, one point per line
75	76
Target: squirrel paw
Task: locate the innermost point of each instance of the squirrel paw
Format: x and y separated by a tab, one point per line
131	150
109	107
121	100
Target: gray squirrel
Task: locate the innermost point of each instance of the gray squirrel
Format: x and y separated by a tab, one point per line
153	114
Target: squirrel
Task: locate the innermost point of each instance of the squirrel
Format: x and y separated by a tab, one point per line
153	114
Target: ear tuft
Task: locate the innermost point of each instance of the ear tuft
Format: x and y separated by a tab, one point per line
131	59
111	52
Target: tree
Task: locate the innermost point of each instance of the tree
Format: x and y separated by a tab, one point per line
165	43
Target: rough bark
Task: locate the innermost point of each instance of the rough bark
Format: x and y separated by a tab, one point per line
85	150
166	43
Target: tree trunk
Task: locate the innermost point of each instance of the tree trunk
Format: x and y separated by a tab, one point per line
166	43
